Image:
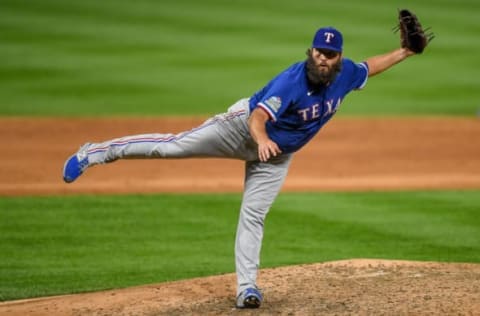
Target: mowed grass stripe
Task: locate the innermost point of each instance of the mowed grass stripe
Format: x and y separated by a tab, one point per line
190	57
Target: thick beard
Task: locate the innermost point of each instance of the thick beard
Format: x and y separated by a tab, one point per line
318	78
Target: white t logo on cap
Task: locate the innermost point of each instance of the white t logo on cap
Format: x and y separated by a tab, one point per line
328	36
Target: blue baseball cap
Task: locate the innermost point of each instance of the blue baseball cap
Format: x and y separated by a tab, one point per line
328	38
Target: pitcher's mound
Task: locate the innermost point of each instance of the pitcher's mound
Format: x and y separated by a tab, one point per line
352	287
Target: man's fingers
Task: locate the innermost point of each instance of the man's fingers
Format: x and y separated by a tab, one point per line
274	150
267	151
264	155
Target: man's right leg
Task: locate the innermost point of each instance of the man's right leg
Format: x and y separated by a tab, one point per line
225	135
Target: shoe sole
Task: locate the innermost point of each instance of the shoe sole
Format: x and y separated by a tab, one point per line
251	302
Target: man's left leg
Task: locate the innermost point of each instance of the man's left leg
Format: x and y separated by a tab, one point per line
263	181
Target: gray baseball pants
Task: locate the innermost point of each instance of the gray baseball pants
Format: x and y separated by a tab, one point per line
222	136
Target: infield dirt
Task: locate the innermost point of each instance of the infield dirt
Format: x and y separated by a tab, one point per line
349	154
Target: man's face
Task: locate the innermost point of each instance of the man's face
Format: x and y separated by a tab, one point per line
323	65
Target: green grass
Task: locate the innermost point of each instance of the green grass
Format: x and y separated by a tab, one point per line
439	226
54	245
102	58
197	57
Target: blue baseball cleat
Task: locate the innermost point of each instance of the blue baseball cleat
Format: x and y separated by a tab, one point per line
249	298
75	165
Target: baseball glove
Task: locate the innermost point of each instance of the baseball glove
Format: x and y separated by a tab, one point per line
412	35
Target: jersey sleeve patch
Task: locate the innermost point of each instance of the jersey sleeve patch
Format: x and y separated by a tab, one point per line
271	105
274	103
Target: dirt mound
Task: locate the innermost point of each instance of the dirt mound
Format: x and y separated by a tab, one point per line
352	287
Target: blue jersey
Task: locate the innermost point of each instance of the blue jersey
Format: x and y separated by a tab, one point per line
297	112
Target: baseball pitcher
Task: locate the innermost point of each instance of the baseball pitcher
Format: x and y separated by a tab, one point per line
265	130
